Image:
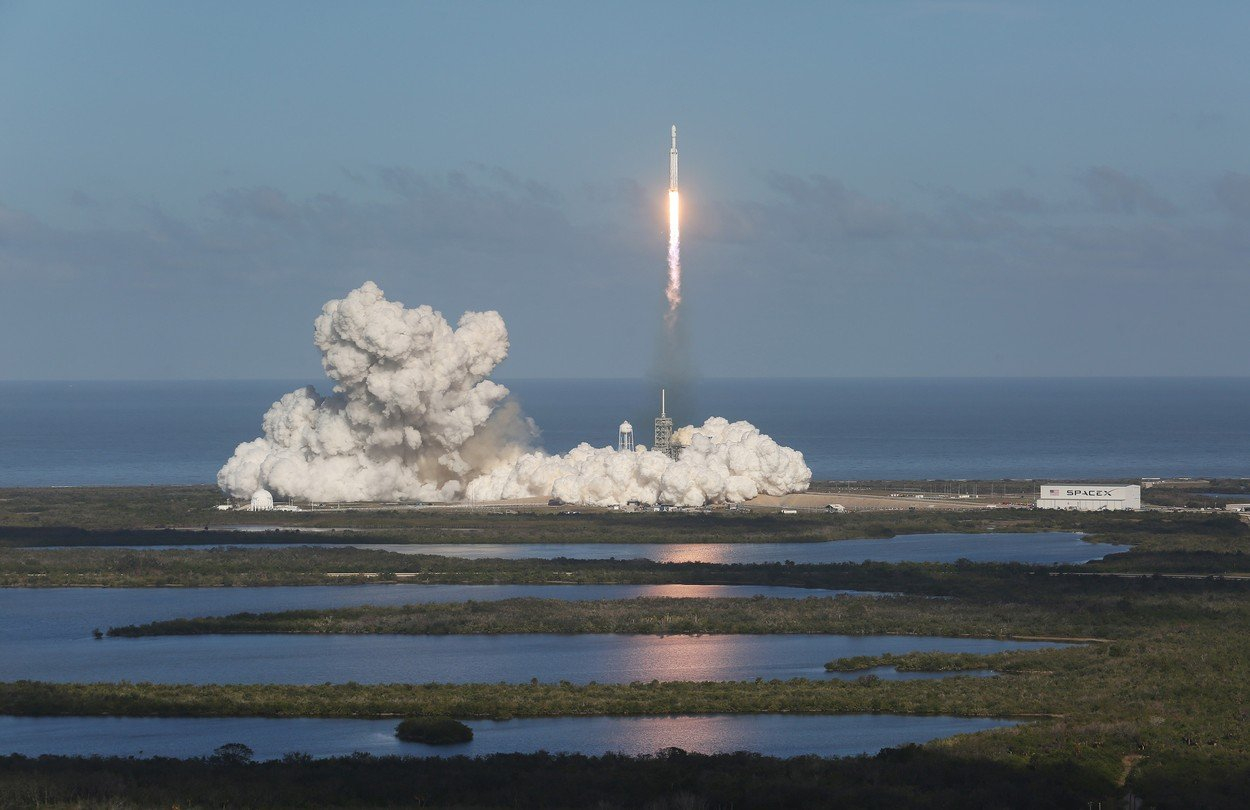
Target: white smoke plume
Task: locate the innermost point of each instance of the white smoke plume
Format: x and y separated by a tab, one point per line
722	461
414	417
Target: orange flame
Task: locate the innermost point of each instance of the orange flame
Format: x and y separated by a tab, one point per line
673	291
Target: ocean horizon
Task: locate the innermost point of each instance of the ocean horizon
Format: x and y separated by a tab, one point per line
116	432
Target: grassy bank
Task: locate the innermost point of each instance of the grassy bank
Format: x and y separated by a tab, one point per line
160	515
994	698
247	567
672	780
1091	615
186	515
258	567
926	662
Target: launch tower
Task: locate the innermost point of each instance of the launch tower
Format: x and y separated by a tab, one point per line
664	432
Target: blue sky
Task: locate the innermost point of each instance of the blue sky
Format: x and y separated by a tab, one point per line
870	189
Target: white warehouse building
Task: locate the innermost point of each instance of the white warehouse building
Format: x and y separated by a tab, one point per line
1088	497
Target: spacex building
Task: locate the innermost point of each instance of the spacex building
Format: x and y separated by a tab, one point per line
1088	497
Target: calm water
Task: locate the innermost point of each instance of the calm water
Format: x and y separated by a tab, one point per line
775	735
144	433
311	659
1036	548
71	613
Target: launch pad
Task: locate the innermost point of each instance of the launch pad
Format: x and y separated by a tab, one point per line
664	432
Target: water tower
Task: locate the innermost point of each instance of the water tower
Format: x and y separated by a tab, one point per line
625	438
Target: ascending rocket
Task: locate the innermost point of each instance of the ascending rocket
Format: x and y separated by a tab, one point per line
673	291
672	163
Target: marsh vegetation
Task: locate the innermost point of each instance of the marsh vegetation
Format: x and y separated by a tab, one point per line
1154	705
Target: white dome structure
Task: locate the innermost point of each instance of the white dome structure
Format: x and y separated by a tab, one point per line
262	501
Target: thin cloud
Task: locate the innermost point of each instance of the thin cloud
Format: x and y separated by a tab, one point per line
491	221
1114	191
1232	191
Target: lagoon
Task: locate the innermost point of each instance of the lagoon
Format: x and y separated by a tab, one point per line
784	735
72	613
1031	548
1037	548
512	658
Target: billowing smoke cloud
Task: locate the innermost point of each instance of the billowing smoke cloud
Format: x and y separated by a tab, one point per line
414	417
722	461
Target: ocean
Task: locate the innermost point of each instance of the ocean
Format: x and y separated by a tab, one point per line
119	433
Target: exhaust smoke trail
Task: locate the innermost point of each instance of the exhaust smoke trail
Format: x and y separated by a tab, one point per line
673	291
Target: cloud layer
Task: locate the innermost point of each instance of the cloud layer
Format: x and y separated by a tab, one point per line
1148	257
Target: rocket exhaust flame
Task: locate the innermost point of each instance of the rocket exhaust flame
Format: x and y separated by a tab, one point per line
673	290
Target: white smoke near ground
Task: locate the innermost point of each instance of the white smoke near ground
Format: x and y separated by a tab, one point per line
721	461
414	417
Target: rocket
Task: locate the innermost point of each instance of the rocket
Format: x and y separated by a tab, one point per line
672	162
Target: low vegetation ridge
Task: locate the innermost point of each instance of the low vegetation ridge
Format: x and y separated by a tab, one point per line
92	516
1028	695
931	662
1092	615
911	776
1160	543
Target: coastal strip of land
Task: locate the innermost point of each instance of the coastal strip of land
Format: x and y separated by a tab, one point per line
1091	616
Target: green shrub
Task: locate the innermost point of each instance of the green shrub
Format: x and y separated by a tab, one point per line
232	754
433	731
